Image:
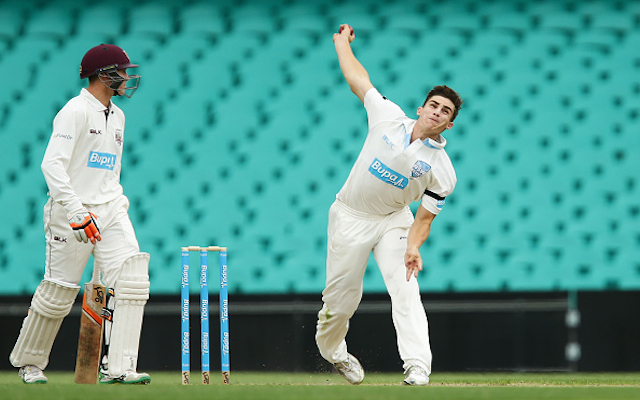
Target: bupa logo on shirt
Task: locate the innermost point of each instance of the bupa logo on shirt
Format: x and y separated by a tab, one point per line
387	175
101	160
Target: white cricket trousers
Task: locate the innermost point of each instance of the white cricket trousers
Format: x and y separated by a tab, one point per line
352	235
66	257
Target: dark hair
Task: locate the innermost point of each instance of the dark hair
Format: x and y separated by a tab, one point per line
448	93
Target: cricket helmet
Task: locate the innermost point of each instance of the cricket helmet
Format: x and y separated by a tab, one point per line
102	57
107	59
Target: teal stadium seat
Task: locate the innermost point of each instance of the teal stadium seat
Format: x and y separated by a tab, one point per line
408	19
512	21
153	19
30	54
53	22
21	131
304	19
617	22
491	43
102	18
257	19
13	20
23	232
25	257
565	22
314	74
202	18
455	21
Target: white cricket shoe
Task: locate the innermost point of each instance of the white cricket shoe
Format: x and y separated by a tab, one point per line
32	374
129	378
416	376
104	367
351	370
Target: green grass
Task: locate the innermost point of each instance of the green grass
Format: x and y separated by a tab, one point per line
322	386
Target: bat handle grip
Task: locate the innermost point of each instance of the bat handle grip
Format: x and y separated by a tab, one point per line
95	278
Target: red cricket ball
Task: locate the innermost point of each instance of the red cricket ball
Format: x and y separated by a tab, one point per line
341	29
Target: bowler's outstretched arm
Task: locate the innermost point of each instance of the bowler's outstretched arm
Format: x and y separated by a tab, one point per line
354	73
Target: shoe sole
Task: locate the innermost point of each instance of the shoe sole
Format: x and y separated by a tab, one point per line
414	384
142	381
353	383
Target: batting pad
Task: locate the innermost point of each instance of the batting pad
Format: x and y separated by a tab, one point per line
51	302
131	293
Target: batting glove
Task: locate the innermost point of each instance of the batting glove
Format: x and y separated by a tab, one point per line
85	226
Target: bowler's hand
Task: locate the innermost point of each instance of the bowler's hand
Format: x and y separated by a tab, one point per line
345	31
413	262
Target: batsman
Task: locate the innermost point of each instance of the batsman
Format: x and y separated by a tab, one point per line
87	214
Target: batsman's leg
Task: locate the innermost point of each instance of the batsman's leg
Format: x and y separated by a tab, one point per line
130	293
107	314
51	302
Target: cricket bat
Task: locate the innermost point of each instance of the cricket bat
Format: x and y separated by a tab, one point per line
91	325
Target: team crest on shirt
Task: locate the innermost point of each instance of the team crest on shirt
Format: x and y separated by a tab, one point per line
419	168
119	138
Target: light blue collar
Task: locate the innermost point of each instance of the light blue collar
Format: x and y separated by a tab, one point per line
432	144
408	129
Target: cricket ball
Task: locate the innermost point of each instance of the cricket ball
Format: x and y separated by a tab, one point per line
342	28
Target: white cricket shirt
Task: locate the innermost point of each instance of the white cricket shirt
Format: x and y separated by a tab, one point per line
390	172
82	162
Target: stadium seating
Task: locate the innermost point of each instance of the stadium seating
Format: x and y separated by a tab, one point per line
243	130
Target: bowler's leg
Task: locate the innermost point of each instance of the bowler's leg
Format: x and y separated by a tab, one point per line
409	316
347	255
